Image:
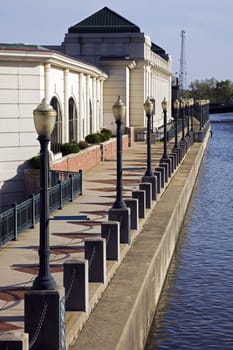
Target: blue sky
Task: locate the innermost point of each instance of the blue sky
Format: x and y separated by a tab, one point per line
208	25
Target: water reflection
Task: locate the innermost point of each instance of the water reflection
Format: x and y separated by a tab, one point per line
196	306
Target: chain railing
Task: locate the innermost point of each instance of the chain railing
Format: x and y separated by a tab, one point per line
39	326
26	214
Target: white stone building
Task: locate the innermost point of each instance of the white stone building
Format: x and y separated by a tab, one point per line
102	57
27	74
136	67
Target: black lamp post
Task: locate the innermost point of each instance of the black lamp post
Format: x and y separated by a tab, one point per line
176	105
119	114
191	112
188	115
44	120
164	108
182	105
199	102
148	107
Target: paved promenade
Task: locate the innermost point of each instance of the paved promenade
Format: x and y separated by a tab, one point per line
19	259
122	319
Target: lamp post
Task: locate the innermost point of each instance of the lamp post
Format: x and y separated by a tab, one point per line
176	105
182	105
187	103
191	111
200	106
44	120
148	107
119	114
164	108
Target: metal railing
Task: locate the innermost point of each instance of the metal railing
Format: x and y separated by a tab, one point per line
201	113
171	130
26	214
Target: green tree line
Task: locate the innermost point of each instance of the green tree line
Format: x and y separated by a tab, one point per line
220	92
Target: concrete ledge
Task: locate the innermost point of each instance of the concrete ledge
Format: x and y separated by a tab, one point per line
132	203
75	280
14	341
122	320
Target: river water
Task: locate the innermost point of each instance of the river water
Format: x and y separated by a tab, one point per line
196	305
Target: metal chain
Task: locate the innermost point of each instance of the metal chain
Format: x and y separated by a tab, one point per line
40	324
92	256
71	284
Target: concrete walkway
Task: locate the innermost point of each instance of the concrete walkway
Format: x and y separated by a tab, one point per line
122	319
19	259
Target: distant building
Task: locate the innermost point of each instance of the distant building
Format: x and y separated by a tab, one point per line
103	56
136	66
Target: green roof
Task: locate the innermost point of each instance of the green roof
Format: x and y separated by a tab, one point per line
159	51
104	21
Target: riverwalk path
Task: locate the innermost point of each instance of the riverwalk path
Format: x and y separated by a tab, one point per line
19	259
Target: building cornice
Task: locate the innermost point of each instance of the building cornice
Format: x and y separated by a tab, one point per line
53	58
157	68
120	61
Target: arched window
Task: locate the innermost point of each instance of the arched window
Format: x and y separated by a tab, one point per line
72	120
56	137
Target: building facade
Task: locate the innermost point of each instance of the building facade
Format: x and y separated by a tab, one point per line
136	67
101	57
28	74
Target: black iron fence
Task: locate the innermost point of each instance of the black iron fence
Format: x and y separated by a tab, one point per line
171	129
26	214
201	113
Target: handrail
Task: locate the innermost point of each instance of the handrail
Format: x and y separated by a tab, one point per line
26	214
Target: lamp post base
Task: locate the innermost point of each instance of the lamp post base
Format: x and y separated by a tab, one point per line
119	204
46	283
148	173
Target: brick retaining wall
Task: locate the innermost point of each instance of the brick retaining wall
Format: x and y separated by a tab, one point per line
90	156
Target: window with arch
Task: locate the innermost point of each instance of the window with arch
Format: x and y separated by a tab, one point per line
56	137
72	120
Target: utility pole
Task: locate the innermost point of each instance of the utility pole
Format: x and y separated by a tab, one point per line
182	73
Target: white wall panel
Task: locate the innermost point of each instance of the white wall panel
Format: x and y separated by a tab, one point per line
9	82
26	125
12	126
27	82
9	110
8	96
29	96
16	154
9	139
26	110
8	68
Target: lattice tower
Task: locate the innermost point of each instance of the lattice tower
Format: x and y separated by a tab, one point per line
182	73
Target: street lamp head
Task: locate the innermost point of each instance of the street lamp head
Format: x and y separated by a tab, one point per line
44	118
176	104
119	110
148	106
164	104
182	103
191	102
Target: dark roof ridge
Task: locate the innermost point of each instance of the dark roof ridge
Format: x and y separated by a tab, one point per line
104	20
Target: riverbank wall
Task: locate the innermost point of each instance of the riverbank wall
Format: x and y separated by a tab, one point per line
122	318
